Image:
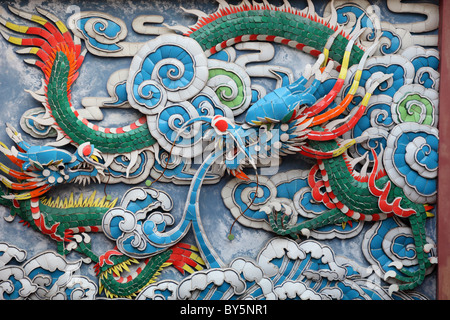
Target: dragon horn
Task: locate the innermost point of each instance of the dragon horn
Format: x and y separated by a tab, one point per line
330	41
336	111
14	173
354	116
40	20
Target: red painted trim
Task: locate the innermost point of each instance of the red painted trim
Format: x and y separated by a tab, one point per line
443	201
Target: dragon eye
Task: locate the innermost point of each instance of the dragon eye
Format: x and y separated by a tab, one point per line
87	150
220	123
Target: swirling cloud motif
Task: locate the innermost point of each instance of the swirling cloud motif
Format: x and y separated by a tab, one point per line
140	211
104	34
426	65
14	284
283	270
410	96
222	279
9	252
46	276
395	37
172	81
188	142
231	84
401	68
411	103
317	263
181	171
167	128
237	195
211	284
375	125
392	39
388	241
415	103
288	192
130	168
396	100
101	31
411	160
168	68
32	123
118	98
54	275
163	290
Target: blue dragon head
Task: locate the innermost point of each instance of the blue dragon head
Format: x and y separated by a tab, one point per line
274	125
43	167
287	119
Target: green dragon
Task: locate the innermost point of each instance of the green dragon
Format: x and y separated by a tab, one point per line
352	198
67	221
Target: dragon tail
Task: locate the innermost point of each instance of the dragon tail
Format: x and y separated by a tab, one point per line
60	57
184	257
115	283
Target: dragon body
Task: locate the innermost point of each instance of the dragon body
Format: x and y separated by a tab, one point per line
69	221
64	221
354	198
122	276
302	119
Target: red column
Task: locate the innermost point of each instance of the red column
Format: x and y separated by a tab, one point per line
443	202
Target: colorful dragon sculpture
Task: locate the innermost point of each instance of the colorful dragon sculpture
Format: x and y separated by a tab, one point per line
302	120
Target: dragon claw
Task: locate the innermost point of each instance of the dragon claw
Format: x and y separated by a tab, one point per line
306	232
427	248
433	260
397	264
389	274
393	288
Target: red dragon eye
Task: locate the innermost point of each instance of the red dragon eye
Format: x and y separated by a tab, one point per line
87	150
221	125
